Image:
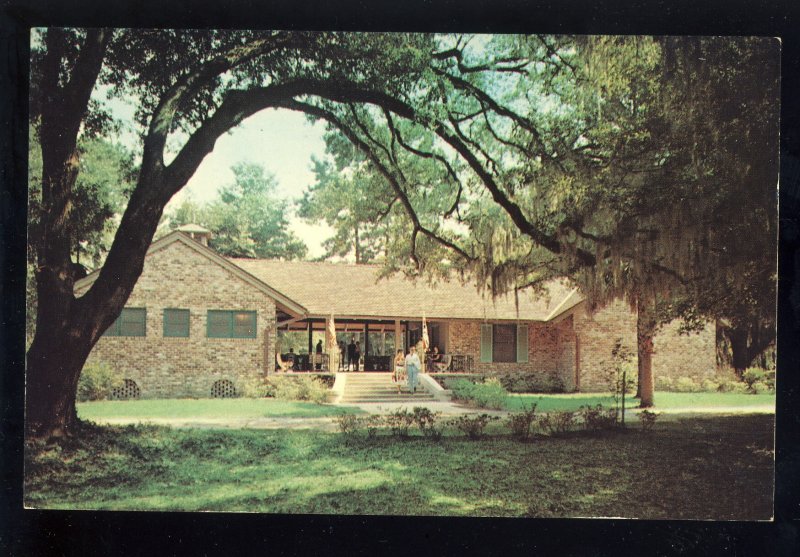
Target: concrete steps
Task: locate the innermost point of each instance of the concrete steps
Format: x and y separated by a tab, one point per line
378	387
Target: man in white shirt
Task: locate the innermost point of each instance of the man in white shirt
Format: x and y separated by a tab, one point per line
412	368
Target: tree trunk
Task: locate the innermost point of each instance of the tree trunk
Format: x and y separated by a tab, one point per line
748	342
645	331
53	369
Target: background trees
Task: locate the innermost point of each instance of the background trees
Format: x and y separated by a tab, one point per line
247	219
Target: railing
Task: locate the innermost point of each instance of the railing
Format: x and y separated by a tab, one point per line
458	363
307	362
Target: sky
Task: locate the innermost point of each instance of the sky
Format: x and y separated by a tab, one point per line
282	141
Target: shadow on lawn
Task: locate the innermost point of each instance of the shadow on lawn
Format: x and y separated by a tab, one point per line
702	467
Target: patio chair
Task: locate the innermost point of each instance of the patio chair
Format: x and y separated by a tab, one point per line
283	366
444	364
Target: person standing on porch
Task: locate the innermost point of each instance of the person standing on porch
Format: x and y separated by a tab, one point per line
319	354
342	353
351	352
412	369
358	354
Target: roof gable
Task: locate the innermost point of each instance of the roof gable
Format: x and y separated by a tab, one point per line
176	236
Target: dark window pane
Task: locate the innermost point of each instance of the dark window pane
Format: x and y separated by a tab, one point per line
176	322
244	325
504	346
219	324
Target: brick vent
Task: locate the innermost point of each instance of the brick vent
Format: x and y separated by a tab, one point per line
128	390
223	388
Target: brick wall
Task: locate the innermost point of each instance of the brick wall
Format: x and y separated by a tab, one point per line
178	277
550	362
675	355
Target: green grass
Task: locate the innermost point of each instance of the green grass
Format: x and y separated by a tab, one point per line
222	408
696	468
664	401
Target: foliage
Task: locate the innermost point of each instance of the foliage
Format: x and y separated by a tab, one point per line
557	422
759	380
472	425
596	418
348	424
535	382
353	204
255	387
399	421
489	394
300	388
521	423
97	380
648	419
426	421
247	219
621	377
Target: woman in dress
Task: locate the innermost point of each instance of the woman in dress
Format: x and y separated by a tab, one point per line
399	373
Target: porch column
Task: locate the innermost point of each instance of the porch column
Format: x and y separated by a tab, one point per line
398	337
310	342
366	344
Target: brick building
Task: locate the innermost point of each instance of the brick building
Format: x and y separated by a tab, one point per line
198	324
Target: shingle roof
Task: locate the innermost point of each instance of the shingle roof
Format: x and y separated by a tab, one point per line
357	290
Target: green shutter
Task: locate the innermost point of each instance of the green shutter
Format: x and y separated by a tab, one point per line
522	343
486	343
176	323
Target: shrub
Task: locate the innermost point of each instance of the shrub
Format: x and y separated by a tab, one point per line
473	426
765	379
709	385
596	418
731	386
253	387
399	421
557	422
663	383
648	419
300	388
96	381
536	382
489	394
686	385
349	424
521	423
373	424
426	421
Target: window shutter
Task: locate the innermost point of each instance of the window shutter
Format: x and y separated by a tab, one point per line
522	343
486	343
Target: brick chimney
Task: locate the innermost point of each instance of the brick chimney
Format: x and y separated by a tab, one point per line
196	233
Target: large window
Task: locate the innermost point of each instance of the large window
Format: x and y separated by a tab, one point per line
231	324
176	323
504	343
132	322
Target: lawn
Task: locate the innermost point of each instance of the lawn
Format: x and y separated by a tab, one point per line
665	401
697	468
217	408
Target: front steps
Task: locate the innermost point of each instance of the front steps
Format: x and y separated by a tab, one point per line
366	387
